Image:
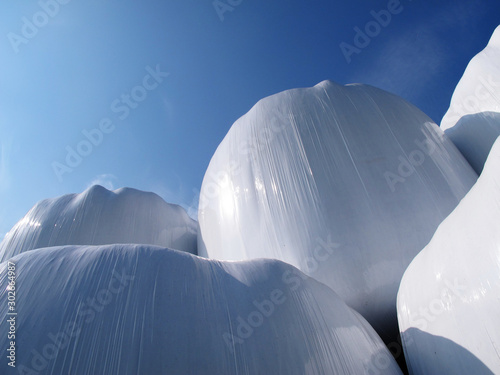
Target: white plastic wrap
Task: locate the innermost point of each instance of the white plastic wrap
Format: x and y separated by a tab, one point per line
473	119
449	299
474	135
132	309
98	217
347	183
479	88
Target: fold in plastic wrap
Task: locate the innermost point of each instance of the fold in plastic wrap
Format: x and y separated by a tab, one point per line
479	88
474	136
99	217
347	183
132	309
473	119
449	300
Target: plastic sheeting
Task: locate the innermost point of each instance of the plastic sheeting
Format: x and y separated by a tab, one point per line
448	303
474	135
473	119
479	88
347	183
132	309
98	217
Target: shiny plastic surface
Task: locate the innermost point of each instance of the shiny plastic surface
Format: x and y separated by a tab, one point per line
449	299
474	135
347	183
473	119
131	309
479	88
98	217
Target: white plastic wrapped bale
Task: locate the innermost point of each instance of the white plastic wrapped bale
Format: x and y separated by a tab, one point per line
98	217
135	309
448	302
473	119
479	88
347	183
474	135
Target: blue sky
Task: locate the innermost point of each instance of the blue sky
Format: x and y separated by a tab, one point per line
74	66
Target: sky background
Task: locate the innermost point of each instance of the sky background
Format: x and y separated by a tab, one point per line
64	77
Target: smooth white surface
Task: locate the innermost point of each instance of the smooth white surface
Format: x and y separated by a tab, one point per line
474	135
322	178
449	299
479	88
473	119
98	217
146	310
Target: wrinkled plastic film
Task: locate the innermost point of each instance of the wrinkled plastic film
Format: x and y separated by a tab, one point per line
448	305
347	183
98	217
135	309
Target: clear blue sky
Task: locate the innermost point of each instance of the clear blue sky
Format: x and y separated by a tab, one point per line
68	74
